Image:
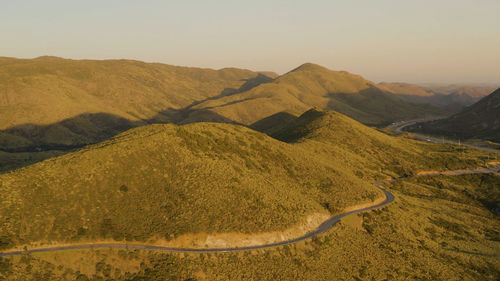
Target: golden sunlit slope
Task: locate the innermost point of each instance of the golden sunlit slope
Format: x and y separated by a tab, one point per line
309	86
367	152
478	121
49	103
161	181
47	90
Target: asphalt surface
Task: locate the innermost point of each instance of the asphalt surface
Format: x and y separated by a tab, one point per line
325	226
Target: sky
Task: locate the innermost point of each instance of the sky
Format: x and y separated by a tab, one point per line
438	41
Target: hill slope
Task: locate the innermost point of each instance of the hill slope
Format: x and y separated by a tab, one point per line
481	120
162	181
46	90
309	86
54	102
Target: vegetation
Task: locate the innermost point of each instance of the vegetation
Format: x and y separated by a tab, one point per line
49	103
162	181
437	229
477	121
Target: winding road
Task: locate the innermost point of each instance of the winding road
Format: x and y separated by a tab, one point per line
325	226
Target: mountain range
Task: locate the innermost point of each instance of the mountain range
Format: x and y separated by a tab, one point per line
50	104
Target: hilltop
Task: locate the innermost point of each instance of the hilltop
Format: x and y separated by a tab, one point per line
478	121
47	90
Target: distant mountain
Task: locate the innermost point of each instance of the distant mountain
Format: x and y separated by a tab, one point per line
480	120
452	98
309	86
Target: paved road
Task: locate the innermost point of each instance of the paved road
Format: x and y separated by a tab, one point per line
389	197
399	126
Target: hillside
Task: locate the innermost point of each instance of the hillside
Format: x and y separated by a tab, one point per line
363	150
479	121
309	86
51	105
164	181
173	176
55	102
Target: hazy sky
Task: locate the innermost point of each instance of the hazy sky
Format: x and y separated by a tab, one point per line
383	40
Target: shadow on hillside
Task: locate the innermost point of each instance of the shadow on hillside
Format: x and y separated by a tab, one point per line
27	144
248	85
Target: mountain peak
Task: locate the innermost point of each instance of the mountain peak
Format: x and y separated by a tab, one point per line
308	66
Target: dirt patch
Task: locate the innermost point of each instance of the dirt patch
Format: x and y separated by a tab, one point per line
234	239
426	173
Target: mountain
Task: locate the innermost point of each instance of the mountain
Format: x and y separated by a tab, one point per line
452	98
193	185
480	120
309	86
51	105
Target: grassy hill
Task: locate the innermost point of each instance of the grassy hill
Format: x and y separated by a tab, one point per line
46	90
364	150
50	105
50	101
312	85
479	121
437	229
162	181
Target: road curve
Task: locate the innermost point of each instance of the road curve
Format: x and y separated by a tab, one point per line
389	197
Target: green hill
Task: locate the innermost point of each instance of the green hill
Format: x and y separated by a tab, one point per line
54	102
479	121
162	181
